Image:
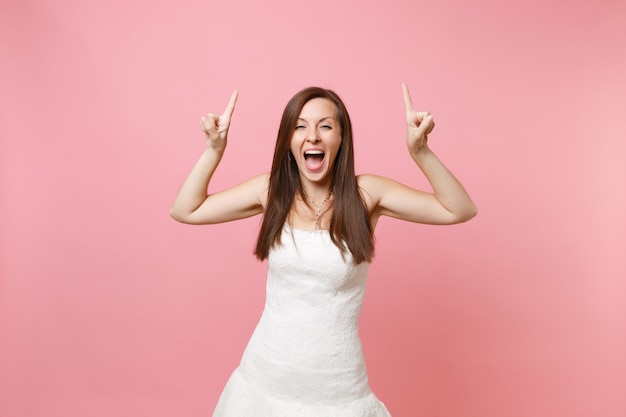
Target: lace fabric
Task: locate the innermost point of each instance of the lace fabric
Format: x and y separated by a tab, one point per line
305	357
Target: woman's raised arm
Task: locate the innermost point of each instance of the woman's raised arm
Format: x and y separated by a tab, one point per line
449	203
193	204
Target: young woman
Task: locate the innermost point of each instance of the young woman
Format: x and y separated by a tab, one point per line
304	358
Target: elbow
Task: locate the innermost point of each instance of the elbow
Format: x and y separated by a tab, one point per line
187	217
178	216
468	214
473	213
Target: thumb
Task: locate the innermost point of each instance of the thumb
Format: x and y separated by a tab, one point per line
426	125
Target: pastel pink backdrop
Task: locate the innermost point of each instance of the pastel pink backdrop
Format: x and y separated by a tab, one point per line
109	307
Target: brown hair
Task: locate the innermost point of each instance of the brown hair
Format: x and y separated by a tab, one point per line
350	227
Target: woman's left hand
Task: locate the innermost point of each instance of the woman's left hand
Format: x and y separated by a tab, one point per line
418	124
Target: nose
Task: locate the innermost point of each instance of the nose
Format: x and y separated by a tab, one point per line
312	135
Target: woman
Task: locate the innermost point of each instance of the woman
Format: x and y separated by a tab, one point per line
304	358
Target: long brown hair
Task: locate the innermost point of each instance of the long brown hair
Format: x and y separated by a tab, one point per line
350	227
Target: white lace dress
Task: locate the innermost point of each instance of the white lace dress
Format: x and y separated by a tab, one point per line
304	358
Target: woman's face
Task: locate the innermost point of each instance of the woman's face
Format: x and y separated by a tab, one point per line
316	140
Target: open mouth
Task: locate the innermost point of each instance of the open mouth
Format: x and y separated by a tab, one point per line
313	159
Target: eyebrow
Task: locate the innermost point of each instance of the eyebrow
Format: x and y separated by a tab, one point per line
320	120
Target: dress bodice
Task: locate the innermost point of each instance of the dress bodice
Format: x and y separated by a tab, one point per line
309	277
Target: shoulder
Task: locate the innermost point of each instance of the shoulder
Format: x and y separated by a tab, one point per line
259	185
378	186
370	180
371	188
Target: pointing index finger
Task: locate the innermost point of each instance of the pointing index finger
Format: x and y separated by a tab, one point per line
408	104
228	111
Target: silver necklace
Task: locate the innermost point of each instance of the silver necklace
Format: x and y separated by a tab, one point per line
318	207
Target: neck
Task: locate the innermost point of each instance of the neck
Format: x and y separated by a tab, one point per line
316	195
316	192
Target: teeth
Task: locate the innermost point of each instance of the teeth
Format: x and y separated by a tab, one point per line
314	152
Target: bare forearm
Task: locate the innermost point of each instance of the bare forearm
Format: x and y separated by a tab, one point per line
447	189
193	192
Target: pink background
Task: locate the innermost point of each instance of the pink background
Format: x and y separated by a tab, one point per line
110	308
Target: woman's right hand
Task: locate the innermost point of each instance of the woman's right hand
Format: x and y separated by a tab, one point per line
216	127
